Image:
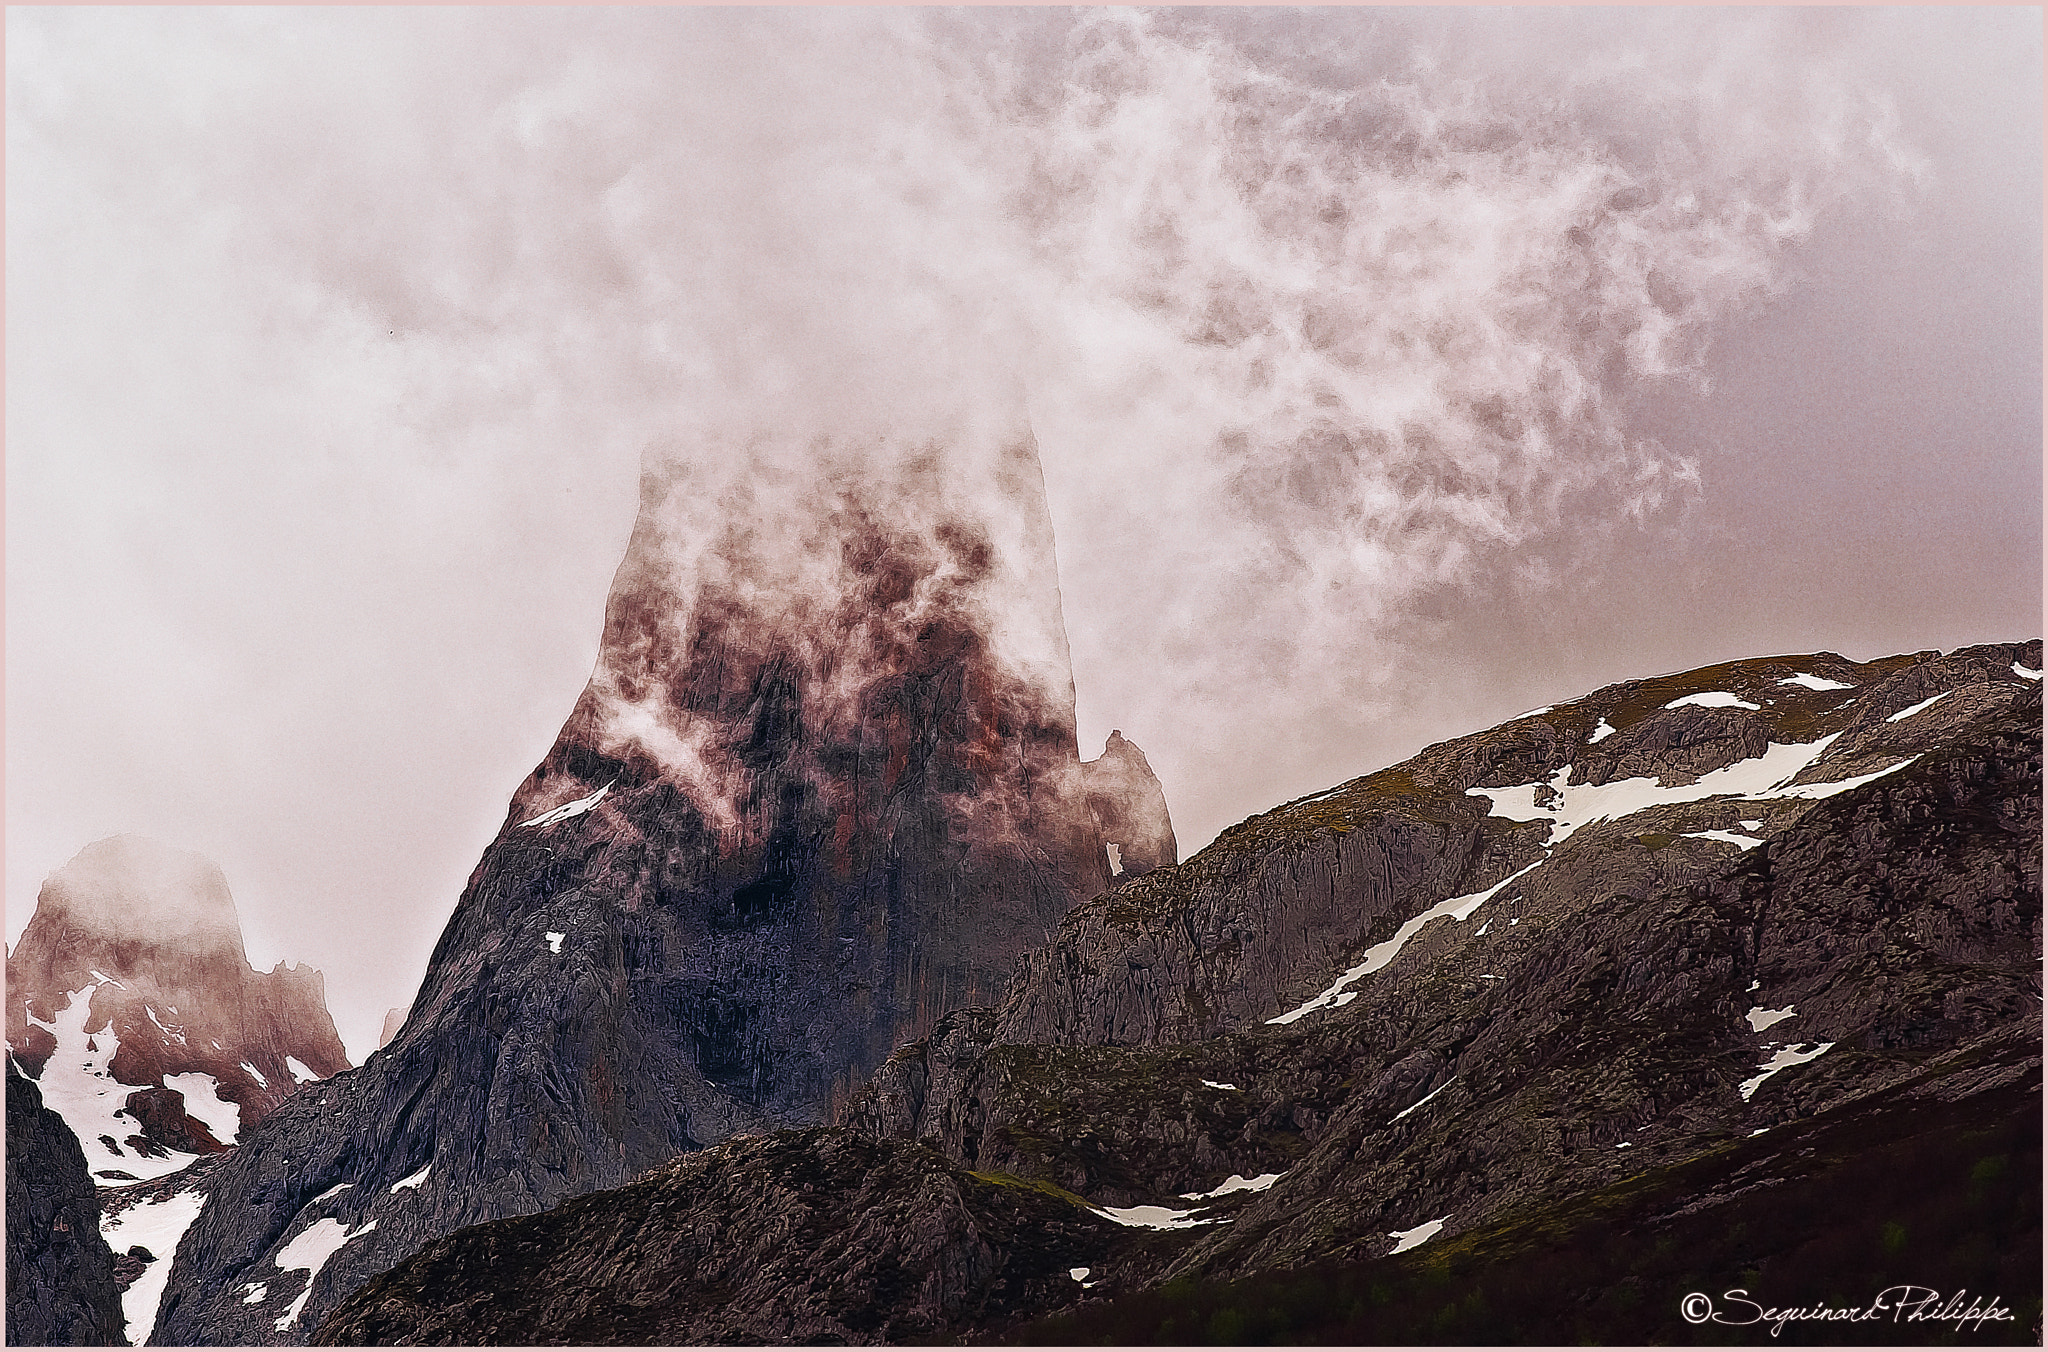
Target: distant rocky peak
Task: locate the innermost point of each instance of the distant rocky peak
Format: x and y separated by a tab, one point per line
128	892
1129	805
132	1001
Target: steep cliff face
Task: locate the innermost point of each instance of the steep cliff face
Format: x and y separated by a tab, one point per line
61	1290
131	1000
1130	808
823	786
1689	955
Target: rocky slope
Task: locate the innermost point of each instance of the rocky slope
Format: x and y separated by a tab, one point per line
132	1002
1647	931
61	1290
823	786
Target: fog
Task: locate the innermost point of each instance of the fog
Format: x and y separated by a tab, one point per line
1391	372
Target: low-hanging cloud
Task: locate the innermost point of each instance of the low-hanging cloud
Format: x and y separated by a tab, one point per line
1316	318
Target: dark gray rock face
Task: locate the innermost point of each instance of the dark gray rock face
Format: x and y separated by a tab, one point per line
804	1237
1130	808
149	937
61	1290
810	801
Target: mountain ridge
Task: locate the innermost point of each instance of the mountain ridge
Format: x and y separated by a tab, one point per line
1561	974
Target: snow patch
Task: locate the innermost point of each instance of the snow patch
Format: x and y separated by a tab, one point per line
1380	954
1782	1059
1218	1084
1425	1098
1154	1217
413	1180
1421	1234
1812	682
309	1252
254	1292
106	980
203	1101
568	810
1601	732
1533	713
1078	1274
334	1191
1906	713
1234	1183
1713	699
1758	779
1726	837
2024	673
160	1023
1761	1018
1481	931
554	941
1116	859
156	1226
262	1081
77	1085
301	1072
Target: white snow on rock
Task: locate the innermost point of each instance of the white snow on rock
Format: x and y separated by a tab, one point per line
1713	699
1078	1274
2025	673
1758	779
1380	954
156	1226
1481	931
1421	1234
1601	732
1218	1084
1234	1183
77	1085
1761	1018
1533	713
568	810
1425	1098
1754	984
1906	713
160	1023
1154	1217
309	1253
1812	682
254	1292
1726	837
106	980
1751	826
203	1101
554	941
301	1072
334	1191
413	1180
1116	859
1783	1058
261	1080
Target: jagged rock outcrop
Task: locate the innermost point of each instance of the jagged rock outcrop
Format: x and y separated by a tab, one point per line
823	786
1578	983
61	1289
132	1001
1130	808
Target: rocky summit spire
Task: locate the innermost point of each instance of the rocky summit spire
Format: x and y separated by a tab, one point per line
131	999
823	786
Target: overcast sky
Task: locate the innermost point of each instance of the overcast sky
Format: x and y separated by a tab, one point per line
1393	372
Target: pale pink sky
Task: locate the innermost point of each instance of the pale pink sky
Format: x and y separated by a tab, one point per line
1393	372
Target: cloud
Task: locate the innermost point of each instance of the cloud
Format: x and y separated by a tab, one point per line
338	327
